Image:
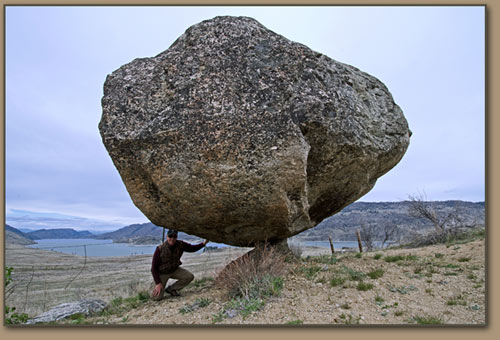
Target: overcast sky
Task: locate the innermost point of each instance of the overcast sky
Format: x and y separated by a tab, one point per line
58	173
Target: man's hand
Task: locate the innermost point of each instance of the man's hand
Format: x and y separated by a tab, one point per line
205	242
157	290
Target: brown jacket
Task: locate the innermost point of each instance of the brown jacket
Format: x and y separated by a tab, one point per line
167	259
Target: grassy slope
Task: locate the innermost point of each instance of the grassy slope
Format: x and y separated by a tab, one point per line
438	284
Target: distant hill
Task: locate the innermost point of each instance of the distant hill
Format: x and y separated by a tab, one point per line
145	233
63	233
342	226
15	236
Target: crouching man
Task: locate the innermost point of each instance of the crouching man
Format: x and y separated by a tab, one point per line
166	265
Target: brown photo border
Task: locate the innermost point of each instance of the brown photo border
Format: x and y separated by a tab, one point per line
490	331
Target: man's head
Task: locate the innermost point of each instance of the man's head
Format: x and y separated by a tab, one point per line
171	237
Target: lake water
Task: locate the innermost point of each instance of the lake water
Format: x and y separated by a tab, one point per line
337	245
93	247
99	247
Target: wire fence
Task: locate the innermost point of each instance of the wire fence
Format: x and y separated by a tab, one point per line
42	280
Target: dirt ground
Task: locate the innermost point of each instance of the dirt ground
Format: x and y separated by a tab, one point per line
436	284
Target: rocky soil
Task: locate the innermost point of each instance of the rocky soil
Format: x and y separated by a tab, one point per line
436	284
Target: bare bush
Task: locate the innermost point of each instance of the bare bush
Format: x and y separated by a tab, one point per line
447	227
450	235
368	235
389	231
421	209
253	274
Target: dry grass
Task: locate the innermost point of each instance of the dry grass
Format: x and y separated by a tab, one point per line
316	290
253	273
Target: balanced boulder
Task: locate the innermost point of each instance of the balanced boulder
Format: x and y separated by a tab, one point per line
239	135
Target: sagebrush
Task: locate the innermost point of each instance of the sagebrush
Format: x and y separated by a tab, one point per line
254	275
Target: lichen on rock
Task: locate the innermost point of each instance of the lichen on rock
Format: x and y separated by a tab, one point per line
239	135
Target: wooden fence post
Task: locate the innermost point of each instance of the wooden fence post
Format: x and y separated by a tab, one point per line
359	241
331	245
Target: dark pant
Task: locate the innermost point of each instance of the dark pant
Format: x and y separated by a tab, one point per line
182	276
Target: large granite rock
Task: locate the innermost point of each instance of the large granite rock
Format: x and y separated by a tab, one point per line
239	135
66	310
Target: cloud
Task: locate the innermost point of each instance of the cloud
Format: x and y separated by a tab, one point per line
57	58
48	220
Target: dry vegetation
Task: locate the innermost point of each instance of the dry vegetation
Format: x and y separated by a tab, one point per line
437	284
43	279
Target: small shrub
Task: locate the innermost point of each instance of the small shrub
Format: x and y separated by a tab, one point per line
245	306
411	257
119	305
393	258
185	310
464	259
218	317
116	301
131	302
358	255
438	255
451	265
198	303
295	322
349	319
274	287
377	256
432	270
321	280
337	281
203	302
11	317
456	300
77	319
251	306
143	296
402	290
427	320
354	275
326	259
471	276
398	313
364	286
378	299
8	275
395	304
377	273
311	271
